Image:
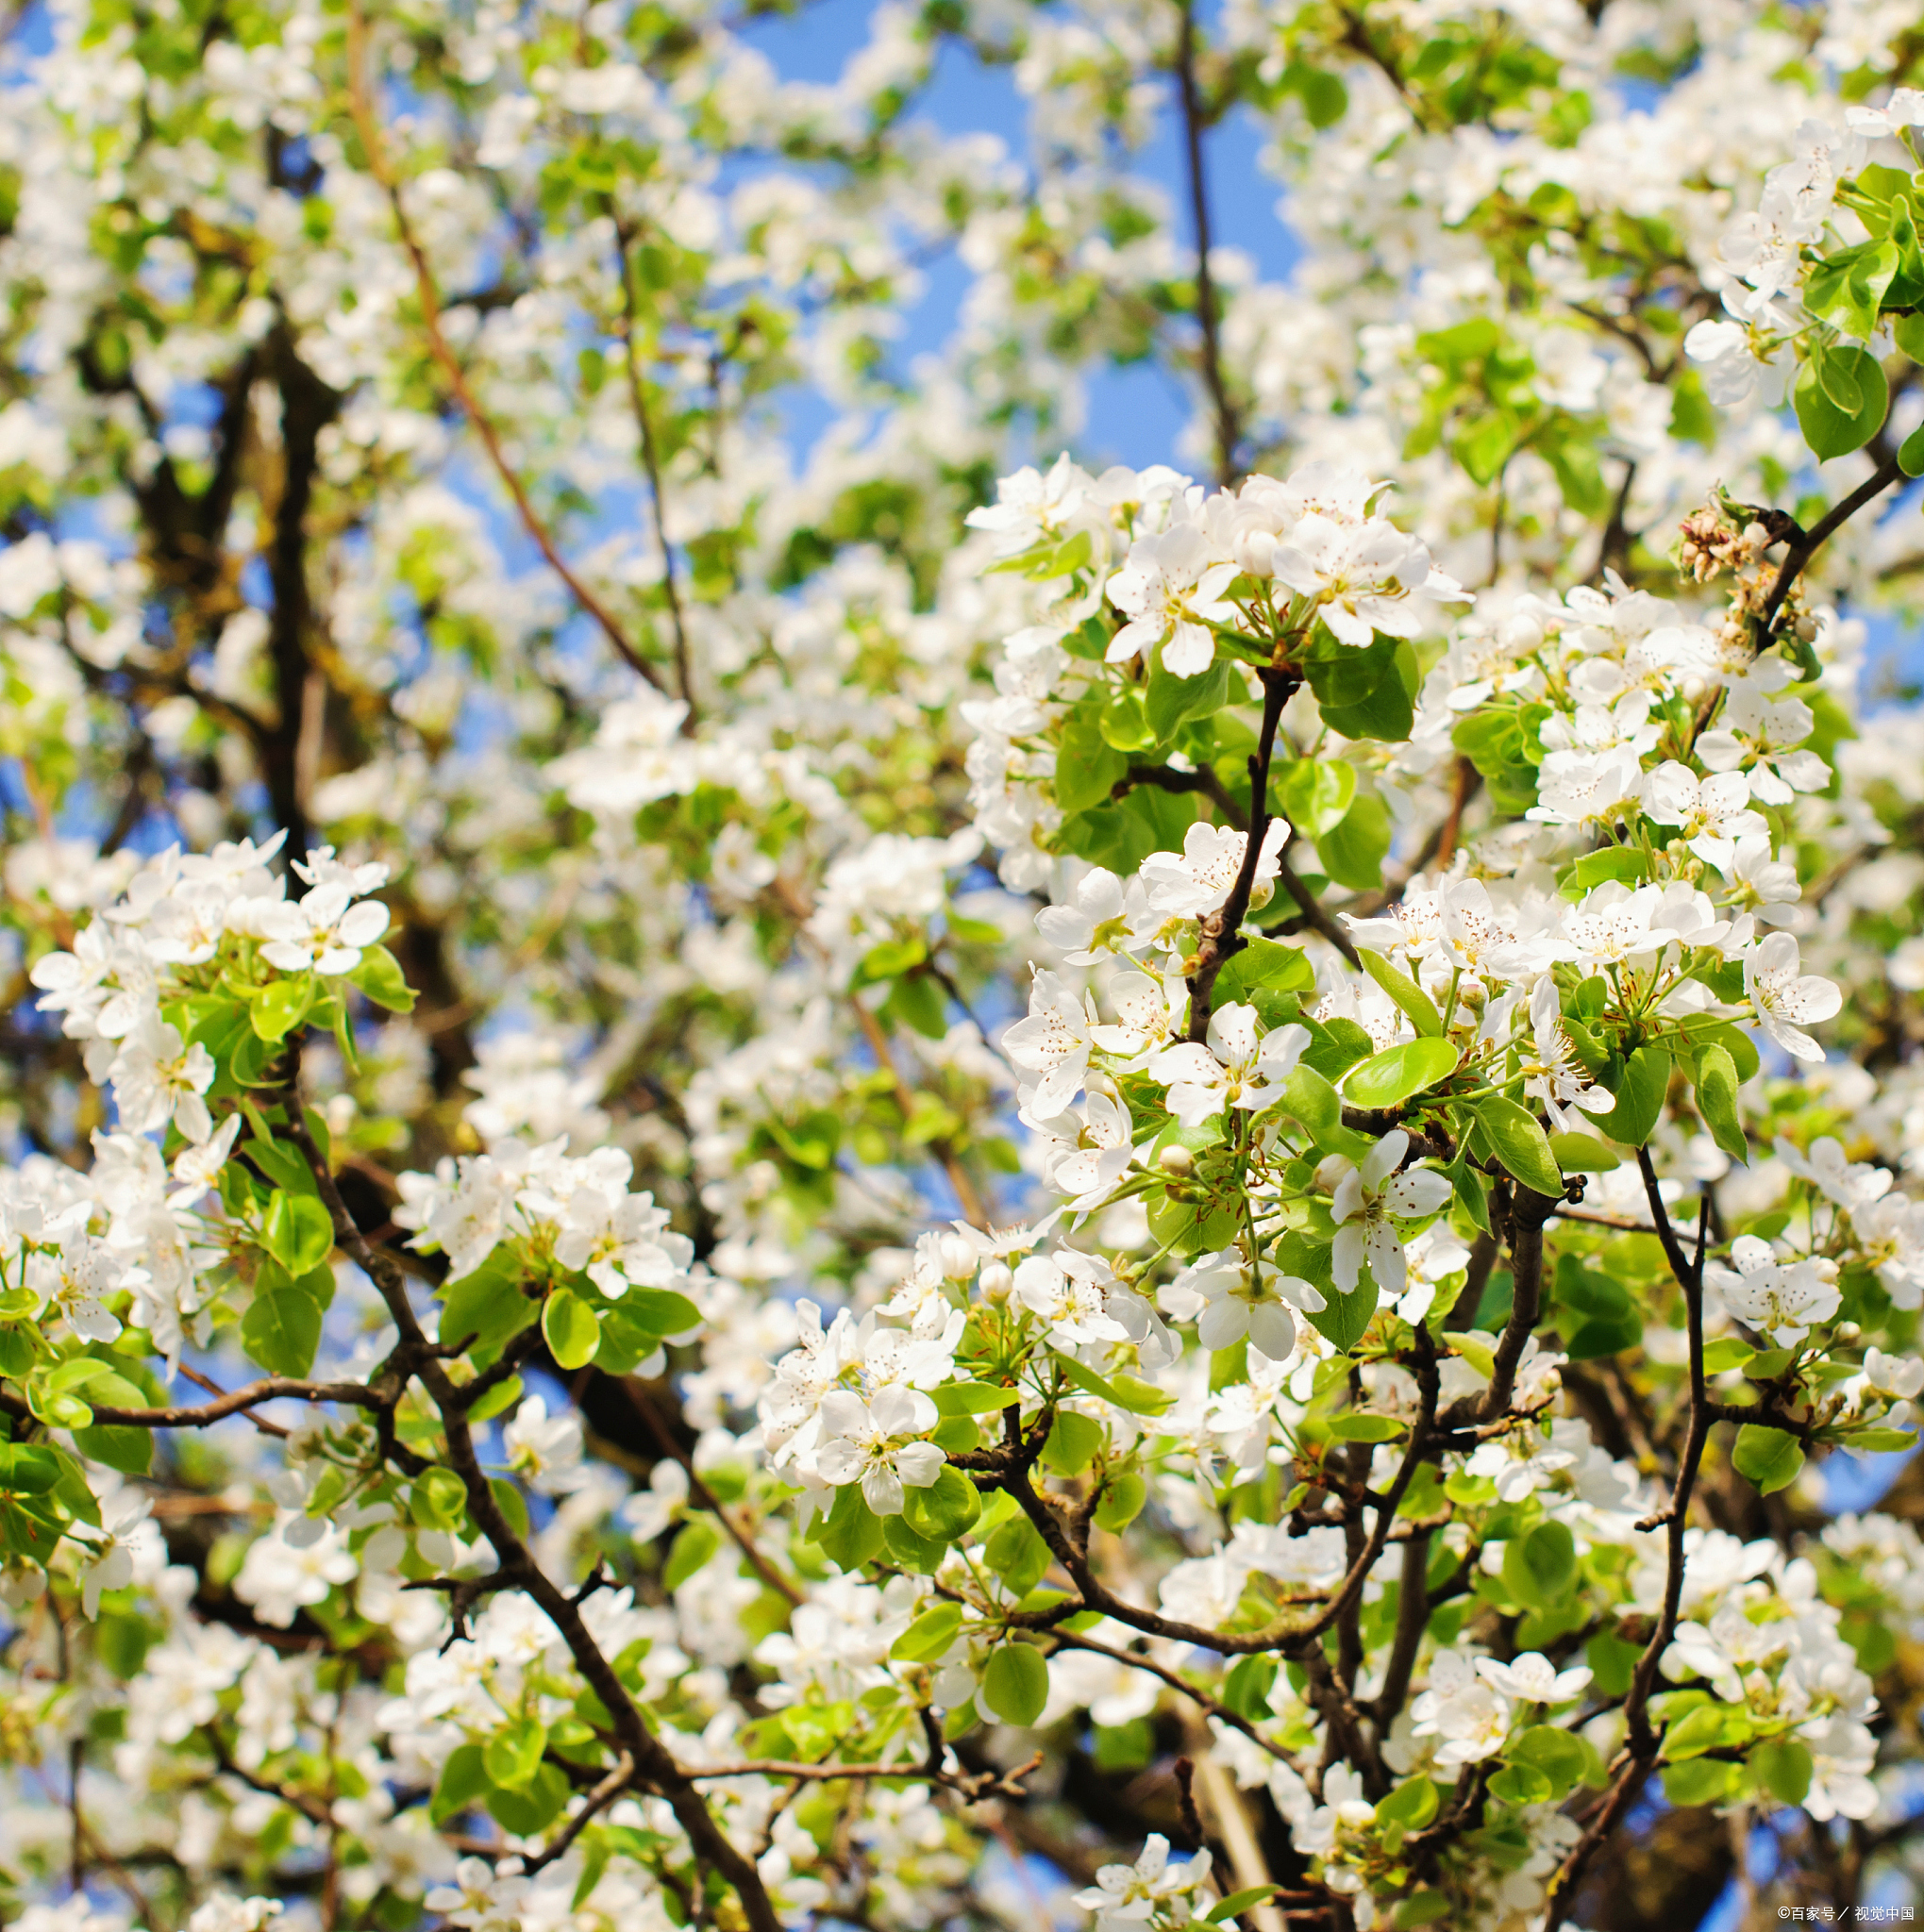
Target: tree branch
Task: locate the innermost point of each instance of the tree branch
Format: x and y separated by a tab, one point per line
361	108
1228	429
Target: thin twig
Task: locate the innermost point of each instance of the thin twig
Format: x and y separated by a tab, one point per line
1227	428
361	108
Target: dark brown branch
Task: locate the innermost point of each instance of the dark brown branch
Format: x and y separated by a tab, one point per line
1222	937
1228	429
1805	547
368	127
654	1764
599	1799
651	462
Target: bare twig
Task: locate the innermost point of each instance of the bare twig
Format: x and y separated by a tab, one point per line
367	124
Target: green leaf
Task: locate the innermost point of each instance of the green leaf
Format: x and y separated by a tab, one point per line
128	1449
1422	1908
1521	1785
571	1330
1353	852
974	1398
1841	399
1520	1144
1769	1459
1583	1153
1088	767
1125	1391
1911	452
1540	1566
1782	1767
1311	1099
532	1810
1017	1555
1879	1442
929	1636
1315	794
379	976
1411	999
1247	1686
852	1532
1562	1756
1726	1352
1706	1728
1701	1781
281	1330
700	1540
1073	1442
661	1310
487	1304
1352	1426
1625	864
1122	1501
1412	1805
1640	1090
1015	1684
298	1232
513	1757
277	1008
1716	1100
1390	1077
1238	1903
462	1783
945	1510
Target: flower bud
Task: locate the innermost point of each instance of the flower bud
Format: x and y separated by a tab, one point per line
1177	1160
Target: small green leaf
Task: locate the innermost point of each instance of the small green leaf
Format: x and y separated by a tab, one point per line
1716	1100
700	1540
298	1232
1015	1684
281	1330
1538	1567
1410	998
1353	852
1520	1144
1238	1903
462	1783
571	1330
1640	1090
1701	1781
1841	398
277	1008
1782	1767
852	1532
1769	1457
661	1310
1122	1501
1388	1078
1315	793
1073	1442
974	1398
1412	1805
513	1757
1583	1153
929	1636
379	976
1353	1427
945	1510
